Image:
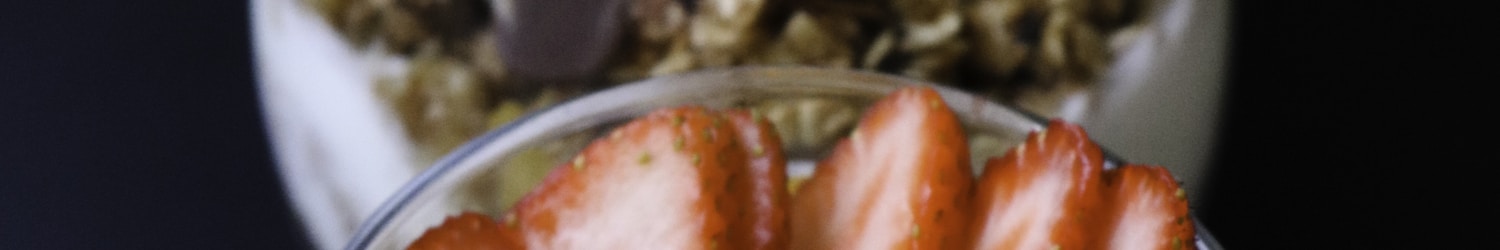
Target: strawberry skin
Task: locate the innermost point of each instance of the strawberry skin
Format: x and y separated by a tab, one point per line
760	187
467	231
901	180
1043	194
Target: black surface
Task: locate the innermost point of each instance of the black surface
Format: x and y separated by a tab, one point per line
1353	125
132	125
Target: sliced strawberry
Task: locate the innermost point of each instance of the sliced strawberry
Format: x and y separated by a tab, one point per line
467	231
1043	194
1148	209
656	182
760	221
901	180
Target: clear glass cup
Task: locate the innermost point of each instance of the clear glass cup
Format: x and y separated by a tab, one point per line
447	188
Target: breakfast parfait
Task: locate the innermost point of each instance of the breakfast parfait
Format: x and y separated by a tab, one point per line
692	177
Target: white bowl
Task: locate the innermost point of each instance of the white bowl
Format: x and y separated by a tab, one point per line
341	153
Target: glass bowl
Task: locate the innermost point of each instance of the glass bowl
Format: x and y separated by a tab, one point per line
810	107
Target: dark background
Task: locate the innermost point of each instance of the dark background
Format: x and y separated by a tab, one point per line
127	124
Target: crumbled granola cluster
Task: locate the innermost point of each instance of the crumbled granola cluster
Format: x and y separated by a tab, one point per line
455	85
